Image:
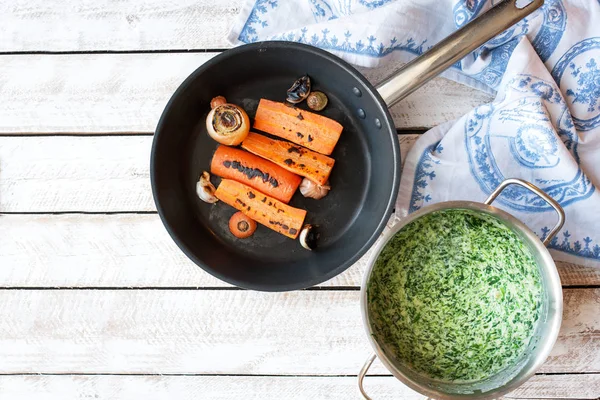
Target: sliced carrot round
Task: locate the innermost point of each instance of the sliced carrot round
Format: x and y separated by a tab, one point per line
241	226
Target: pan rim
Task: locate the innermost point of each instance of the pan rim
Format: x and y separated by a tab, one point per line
349	261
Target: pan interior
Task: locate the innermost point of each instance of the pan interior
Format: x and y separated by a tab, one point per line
363	180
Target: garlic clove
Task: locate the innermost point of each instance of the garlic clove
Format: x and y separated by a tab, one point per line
205	189
299	90
313	190
309	236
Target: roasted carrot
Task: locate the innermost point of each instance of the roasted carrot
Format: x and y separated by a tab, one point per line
263	209
308	129
256	172
241	226
292	157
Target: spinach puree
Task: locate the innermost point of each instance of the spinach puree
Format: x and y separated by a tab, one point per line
455	295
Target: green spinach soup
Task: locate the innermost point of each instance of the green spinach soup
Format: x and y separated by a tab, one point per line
455	295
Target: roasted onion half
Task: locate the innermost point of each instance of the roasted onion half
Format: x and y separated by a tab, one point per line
227	123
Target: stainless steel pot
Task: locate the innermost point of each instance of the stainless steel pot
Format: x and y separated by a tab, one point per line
546	331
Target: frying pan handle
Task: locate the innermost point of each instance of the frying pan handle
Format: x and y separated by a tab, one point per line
559	210
452	49
362	373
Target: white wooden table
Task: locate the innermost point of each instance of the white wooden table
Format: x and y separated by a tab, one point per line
96	302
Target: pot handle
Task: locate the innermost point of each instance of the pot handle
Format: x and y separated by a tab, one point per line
452	49
363	372
539	192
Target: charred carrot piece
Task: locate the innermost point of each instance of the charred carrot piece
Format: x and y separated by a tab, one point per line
263	209
310	130
256	172
241	226
292	157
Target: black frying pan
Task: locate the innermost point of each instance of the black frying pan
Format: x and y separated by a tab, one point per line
364	180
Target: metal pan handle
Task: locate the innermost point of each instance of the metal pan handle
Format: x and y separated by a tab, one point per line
362	373
452	49
539	192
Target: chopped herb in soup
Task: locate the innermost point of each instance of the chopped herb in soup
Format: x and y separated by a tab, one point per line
455	295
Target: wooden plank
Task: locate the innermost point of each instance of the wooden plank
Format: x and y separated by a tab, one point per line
577	275
128	250
559	387
96	174
439	101
37	25
131	250
579	337
198	387
89	93
584	386
222	332
108	174
75	174
121	93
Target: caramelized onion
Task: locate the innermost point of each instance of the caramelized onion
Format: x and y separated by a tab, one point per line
227	123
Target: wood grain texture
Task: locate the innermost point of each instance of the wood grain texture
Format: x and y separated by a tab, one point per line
96	174
89	93
438	101
104	174
75	174
127	250
559	387
131	250
222	332
121	93
171	331
261	388
55	25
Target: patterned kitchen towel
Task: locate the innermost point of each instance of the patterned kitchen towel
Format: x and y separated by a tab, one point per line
543	126
370	32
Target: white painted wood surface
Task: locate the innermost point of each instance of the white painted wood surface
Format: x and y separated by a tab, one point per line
121	93
107	174
131	250
130	387
153	331
94	174
57	174
180	320
58	25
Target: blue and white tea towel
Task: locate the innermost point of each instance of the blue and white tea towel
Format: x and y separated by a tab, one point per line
543	126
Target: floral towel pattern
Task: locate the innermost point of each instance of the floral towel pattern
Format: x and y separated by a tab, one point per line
543	126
